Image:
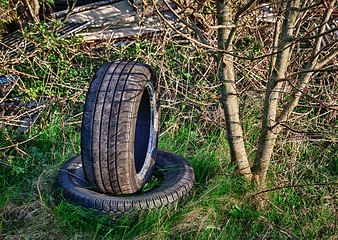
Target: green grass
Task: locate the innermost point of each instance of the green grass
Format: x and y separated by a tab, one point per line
221	205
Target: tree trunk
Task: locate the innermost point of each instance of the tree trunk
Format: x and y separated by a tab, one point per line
226	76
270	130
272	123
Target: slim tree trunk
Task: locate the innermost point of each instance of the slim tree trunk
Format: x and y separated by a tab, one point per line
312	64
226	75
269	132
271	126
284	44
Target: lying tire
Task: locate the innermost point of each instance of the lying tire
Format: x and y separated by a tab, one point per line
178	181
120	123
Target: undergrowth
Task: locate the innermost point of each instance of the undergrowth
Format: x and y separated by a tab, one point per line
54	81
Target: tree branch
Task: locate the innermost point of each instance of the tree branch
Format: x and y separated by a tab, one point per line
309	7
194	28
313	70
236	21
214	49
320	34
312	64
268	138
326	47
327	58
277	31
296	186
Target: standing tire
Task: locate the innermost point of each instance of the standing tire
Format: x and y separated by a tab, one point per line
178	181
120	124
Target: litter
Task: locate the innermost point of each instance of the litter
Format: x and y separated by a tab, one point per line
15	44
118	20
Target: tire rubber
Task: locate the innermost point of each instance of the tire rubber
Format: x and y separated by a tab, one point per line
60	5
119	134
178	181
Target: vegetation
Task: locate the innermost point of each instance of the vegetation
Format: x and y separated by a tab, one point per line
300	200
290	72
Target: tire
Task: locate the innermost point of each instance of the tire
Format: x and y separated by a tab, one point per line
120	124
178	181
60	5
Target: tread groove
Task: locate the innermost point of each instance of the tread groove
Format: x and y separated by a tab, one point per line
108	143
100	131
118	183
112	107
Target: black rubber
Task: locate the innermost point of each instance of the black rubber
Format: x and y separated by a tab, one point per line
120	123
60	5
178	181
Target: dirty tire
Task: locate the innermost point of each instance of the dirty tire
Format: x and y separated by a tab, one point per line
178	181
60	5
120	123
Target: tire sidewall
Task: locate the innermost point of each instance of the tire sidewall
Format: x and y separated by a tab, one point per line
178	182
141	178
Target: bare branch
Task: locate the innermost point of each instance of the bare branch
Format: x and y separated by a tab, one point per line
297	186
309	7
236	21
320	34
313	70
327	58
312	64
184	35
332	43
277	31
194	28
214	49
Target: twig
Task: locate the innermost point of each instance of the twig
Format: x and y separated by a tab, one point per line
22	73
1	100
70	11
286	231
27	140
321	34
265	199
313	70
25	113
63	129
327	58
294	213
207	110
38	187
296	186
15	146
73	175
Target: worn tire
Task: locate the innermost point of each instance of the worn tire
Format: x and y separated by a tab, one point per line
120	124
178	181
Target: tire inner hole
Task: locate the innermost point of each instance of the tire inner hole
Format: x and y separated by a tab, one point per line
154	182
142	131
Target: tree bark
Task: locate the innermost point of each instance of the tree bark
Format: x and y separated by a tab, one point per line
271	122
312	64
226	76
286	33
279	66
